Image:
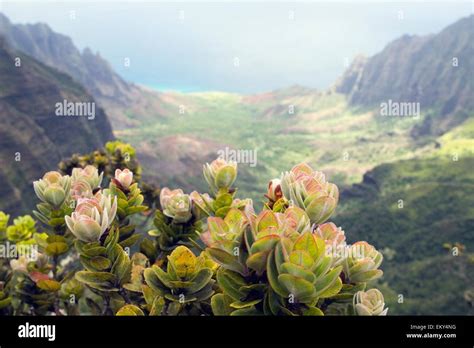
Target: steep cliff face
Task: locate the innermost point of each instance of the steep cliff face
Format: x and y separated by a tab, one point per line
434	70
33	139
58	51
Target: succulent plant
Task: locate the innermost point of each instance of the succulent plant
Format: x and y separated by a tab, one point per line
22	229
370	302
335	240
88	174
225	238
176	205
92	217
309	190
53	188
108	266
187	278
220	174
123	178
362	262
300	271
285	260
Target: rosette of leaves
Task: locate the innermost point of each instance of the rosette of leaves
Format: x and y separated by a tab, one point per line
34	290
362	263
369	303
271	264
309	190
54	192
301	274
22	230
107	266
129	202
185	285
176	224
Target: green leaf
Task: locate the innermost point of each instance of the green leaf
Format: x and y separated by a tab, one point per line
130	241
298	287
258	261
307	242
122	266
56	248
153	281
220	305
226	260
301	258
231	282
297	271
200	280
90	249
327	281
272	275
157	306
245	304
313	311
251	311
130	310
96	263
49	285
333	290
135	210
265	243
223	200
5	302
103	281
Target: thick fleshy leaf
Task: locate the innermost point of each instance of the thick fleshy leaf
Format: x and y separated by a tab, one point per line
220	304
333	290
297	271
272	275
301	258
307	242
250	311
103	281
298	287
245	304
200	280
226	260
265	219
313	311
266	243
49	285
225	177
56	248
230	282
366	276
325	282
258	261
130	310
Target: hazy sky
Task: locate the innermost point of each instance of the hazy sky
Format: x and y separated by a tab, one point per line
235	46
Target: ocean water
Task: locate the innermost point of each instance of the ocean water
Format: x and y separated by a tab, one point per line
170	88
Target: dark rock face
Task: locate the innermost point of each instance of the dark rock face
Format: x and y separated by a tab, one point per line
30	129
434	70
58	51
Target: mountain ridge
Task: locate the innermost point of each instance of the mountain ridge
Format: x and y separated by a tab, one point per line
32	138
